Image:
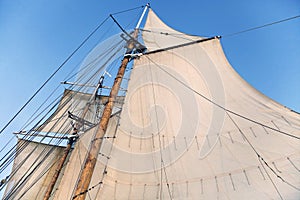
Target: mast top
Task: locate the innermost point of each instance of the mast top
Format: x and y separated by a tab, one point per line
142	16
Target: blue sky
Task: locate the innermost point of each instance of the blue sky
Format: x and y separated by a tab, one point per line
37	36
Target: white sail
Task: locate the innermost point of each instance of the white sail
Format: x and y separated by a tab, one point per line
32	170
71	103
190	128
37	154
172	143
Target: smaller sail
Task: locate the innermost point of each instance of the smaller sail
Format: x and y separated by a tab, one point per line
32	170
37	153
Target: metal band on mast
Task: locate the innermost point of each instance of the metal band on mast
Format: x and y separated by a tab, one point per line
91	159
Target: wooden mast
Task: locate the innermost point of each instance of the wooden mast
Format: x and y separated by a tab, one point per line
91	159
70	143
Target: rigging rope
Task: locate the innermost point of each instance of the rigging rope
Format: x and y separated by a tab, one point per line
42	173
12	152
163	168
262	26
162	69
258	155
222	107
274	185
260	158
106	163
53	74
128	10
27	138
28	174
32	118
27	141
226	35
61	107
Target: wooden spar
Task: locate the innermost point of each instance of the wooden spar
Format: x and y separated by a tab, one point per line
66	152
91	159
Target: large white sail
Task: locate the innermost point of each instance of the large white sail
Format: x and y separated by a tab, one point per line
173	143
189	128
